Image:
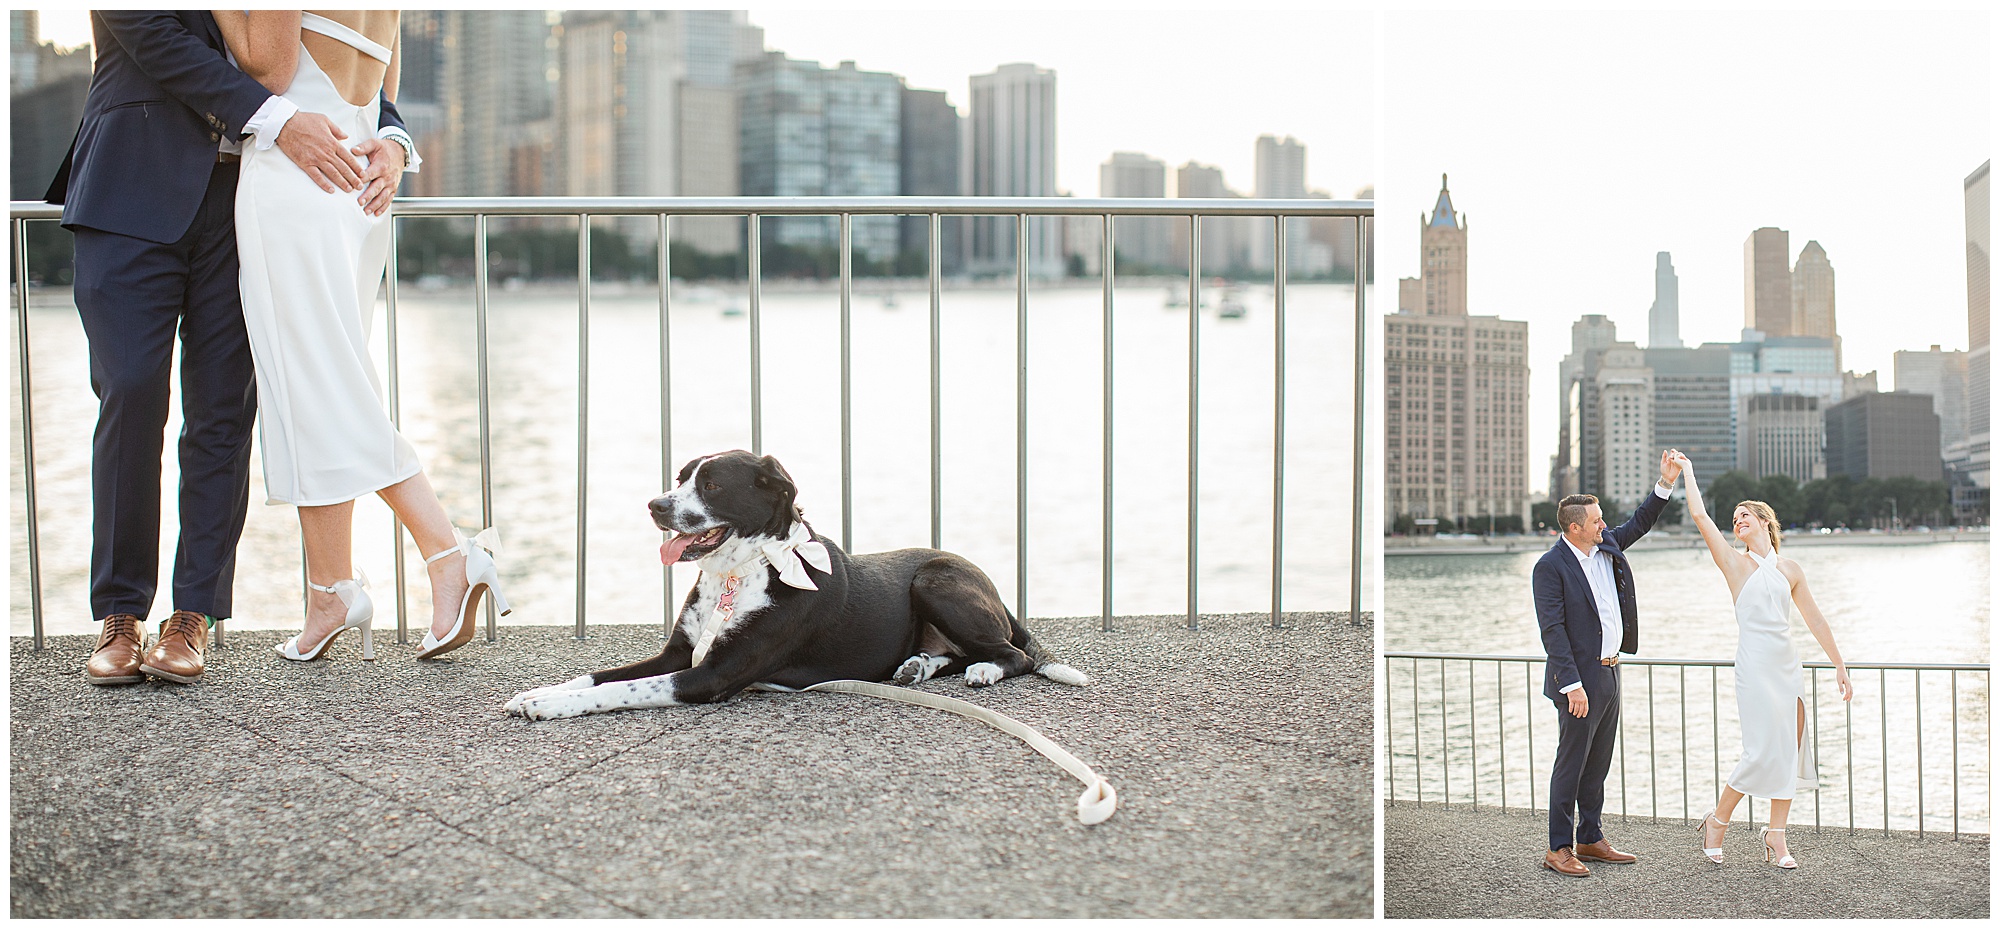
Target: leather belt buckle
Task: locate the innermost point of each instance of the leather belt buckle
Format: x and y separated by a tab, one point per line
1610	662
227	158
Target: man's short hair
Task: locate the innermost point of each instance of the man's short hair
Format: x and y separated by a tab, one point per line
1571	512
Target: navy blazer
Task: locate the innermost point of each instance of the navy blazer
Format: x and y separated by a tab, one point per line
162	93
1566	610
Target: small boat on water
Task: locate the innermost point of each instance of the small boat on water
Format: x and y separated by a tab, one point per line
1232	306
733	308
1176	298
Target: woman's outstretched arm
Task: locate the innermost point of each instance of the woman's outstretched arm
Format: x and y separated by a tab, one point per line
1816	624
265	44
1718	545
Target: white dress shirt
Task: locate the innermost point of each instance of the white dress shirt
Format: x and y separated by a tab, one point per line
1604	592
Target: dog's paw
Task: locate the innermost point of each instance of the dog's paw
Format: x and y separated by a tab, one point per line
555	706
514	707
983	674
919	668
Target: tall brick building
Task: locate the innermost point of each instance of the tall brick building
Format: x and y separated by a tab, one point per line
1455	409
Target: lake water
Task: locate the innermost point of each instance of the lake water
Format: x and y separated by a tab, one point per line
1915	604
534	349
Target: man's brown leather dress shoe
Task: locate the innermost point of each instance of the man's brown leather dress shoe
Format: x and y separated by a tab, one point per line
116	659
1563	861
177	655
1601	850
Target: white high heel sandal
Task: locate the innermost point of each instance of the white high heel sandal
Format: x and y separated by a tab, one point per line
1714	854
360	613
1785	861
481	576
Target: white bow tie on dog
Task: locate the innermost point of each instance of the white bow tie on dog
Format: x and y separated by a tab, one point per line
789	555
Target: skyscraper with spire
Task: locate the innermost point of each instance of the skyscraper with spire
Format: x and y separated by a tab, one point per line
1455	411
1812	296
1664	319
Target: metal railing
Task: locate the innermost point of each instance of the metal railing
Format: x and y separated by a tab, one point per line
584	209
1434	721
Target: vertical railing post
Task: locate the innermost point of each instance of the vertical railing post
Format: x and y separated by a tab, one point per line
937	382
1682	693
1444	731
1954	761
846	382
666	414
396	420
1389	721
1361	268
28	432
582	412
1021	415
1278	278
1194	420
1500	726
756	334
1652	749
1528	674
480	297
1472	723
1917	685
1110	273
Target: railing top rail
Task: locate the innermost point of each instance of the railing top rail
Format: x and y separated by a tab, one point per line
1698	662
822	206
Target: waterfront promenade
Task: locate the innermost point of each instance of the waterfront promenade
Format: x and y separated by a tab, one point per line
1459	862
1242	757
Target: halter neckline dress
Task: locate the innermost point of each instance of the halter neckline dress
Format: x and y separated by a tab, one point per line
1770	690
312	263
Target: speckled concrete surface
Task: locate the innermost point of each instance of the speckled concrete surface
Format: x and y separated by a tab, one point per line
1464	863
1242	758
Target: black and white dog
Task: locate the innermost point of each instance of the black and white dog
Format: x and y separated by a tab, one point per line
779	607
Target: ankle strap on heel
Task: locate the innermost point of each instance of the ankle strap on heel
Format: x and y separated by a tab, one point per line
488	539
360	579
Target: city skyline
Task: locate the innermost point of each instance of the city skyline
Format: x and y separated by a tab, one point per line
1255	64
1577	185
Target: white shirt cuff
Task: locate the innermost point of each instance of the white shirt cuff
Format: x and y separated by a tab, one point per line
1572	687
1664	493
391	132
269	120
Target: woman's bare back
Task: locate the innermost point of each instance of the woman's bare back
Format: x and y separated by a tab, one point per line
357	76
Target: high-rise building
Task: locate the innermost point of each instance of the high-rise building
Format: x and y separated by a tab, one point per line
1883	435
1627	463
932	134
1767	281
1141	240
809	131
1444	252
1971	464
1691	404
1664	319
496	79
1455	410
48	86
1782	434
1941	375
1225	240
1812	296
1575	466
1012	153
1281	175
24	33
1796	365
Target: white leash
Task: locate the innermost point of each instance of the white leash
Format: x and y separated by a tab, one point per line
1096	805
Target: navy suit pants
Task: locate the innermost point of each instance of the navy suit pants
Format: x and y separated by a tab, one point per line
134	297
1584	748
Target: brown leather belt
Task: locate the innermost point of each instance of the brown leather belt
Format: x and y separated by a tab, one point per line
227	158
1610	662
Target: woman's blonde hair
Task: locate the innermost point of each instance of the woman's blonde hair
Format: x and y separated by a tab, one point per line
1763	511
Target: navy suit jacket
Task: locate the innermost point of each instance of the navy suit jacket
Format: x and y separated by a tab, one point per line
1566	609
162	93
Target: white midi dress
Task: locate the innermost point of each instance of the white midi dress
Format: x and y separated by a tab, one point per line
311	263
1770	689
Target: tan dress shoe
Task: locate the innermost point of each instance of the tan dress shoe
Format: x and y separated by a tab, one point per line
1563	861
177	655
1601	850
116	658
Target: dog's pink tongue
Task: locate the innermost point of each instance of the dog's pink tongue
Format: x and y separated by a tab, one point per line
675	545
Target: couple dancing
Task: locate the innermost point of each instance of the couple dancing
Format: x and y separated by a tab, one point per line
1588	613
213	191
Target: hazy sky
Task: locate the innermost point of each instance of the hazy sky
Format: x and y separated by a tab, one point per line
1581	144
1178	86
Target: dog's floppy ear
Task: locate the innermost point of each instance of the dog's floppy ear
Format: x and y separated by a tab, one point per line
772	476
686	471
